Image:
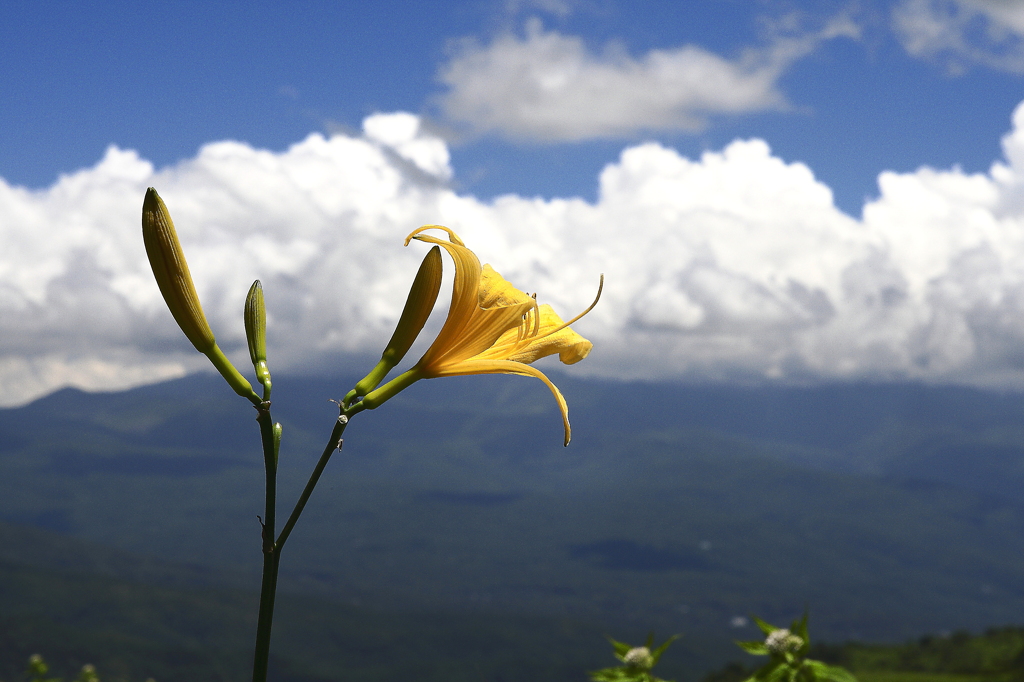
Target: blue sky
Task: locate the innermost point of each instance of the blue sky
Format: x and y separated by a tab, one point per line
165	78
787	190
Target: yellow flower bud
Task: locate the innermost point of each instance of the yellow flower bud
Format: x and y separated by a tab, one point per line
171	272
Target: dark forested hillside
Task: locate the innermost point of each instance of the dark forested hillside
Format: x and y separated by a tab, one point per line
891	511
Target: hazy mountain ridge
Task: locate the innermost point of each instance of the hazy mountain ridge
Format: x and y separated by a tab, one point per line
889	510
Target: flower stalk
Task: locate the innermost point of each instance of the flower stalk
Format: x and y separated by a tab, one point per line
491	327
270	436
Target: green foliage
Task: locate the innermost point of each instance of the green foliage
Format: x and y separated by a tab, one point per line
38	670
637	662
88	674
996	656
788	649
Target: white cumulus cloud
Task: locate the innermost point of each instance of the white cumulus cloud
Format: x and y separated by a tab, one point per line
961	33
550	87
735	265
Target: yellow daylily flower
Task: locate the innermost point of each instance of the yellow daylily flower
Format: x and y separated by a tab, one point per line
491	328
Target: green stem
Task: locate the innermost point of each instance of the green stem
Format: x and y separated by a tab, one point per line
268	590
272	549
238	383
334	443
271	558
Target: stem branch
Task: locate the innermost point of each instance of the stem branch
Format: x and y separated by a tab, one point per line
271	548
334	443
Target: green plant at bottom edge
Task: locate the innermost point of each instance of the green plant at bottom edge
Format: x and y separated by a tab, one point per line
637	662
38	669
788	662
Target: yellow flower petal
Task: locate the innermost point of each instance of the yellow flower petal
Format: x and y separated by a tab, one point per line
552	336
469	328
511	367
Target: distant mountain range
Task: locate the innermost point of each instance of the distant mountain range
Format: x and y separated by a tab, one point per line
888	510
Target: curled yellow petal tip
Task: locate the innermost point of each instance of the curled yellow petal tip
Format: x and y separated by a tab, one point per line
452	237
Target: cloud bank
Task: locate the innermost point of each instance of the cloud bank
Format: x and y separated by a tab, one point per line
733	266
547	86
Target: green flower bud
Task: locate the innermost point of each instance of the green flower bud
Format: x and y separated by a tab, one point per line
639	657
37	666
256	335
418	306
782	640
171	272
175	282
88	674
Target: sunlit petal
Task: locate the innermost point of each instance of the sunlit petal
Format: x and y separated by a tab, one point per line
552	337
510	367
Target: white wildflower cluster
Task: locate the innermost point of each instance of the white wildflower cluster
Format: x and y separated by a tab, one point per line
639	657
782	640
